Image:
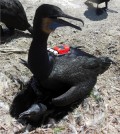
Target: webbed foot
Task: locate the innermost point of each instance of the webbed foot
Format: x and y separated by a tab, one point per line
33	114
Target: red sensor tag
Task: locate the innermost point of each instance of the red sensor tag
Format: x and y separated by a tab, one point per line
62	49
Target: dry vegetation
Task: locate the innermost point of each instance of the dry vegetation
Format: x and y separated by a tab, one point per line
98	114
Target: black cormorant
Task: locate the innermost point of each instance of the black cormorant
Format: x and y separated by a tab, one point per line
13	16
59	83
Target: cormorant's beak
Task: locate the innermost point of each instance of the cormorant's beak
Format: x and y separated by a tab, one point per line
60	22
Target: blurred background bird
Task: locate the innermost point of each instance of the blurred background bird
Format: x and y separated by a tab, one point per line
100	11
13	16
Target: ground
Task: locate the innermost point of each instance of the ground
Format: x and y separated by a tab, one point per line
99	113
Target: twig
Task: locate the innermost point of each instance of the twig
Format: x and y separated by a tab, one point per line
14	51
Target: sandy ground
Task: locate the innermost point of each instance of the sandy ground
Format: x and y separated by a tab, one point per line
100	113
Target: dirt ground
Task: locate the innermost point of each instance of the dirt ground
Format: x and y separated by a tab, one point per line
100	113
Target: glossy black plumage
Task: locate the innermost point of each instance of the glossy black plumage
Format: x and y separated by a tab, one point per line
14	16
59	82
37	94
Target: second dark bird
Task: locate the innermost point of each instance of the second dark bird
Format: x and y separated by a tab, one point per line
13	16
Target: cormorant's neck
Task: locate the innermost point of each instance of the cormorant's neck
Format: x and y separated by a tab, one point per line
38	58
39	35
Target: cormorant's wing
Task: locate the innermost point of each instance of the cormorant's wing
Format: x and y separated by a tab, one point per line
75	93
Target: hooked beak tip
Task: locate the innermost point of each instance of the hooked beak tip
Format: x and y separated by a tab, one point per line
73	18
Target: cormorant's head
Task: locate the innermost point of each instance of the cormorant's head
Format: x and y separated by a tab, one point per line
49	18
